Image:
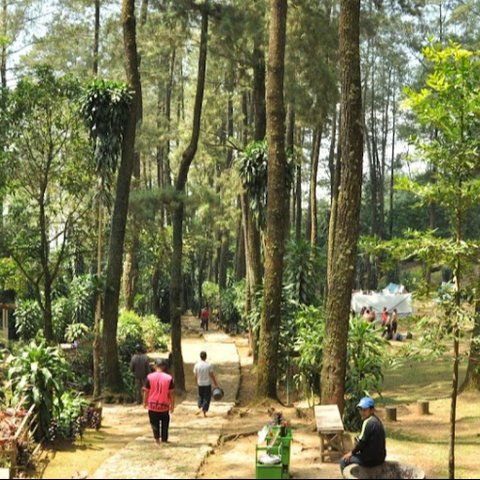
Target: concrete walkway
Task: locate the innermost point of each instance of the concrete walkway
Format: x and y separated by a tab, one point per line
191	438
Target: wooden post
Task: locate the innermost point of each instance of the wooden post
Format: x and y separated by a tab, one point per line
391	413
422	406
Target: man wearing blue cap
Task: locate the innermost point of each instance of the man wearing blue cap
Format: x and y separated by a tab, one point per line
370	448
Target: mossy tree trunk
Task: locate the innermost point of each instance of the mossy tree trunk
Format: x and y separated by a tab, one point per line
113	378
344	220
178	211
277	206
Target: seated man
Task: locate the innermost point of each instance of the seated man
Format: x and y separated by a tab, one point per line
370	448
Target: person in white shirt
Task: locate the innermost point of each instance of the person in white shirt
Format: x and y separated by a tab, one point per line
204	378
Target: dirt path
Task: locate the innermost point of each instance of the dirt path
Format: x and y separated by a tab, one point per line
223	446
124	448
234	457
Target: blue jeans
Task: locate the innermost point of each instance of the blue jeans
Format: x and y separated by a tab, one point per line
353	459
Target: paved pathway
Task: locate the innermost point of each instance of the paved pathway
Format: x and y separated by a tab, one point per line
191	438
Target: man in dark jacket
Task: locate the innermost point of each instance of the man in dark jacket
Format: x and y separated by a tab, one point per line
140	366
370	448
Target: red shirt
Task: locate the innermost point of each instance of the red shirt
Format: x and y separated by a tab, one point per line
158	386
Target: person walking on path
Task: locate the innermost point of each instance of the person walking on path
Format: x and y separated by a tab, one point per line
159	399
140	366
394	322
204	318
370	448
204	378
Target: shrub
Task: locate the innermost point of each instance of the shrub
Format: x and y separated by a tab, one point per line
81	363
61	307
229	314
129	334
28	319
67	423
309	348
365	359
211	293
38	375
154	333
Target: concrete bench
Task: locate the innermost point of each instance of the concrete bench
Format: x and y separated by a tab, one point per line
388	470
330	429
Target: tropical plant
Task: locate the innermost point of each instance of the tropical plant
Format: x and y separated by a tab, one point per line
303	271
38	376
81	361
310	323
229	313
154	333
253	172
129	334
67	423
365	360
28	319
75	331
211	293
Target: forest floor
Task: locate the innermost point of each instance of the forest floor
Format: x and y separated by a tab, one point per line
223	444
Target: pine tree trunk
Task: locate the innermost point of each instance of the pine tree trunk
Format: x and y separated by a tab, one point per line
96	38
344	222
113	378
312	208
277	205
178	210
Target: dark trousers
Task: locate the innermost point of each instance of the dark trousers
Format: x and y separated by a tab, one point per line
204	397
155	419
357	459
139	383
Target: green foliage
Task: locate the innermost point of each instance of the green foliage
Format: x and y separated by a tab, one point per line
10	278
105	106
76	331
310	323
28	319
288	332
211	294
154	333
365	360
129	334
38	375
75	308
449	103
67	424
81	293
81	360
303	271
253	173
232	302
48	190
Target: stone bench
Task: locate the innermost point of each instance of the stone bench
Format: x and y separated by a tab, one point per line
388	470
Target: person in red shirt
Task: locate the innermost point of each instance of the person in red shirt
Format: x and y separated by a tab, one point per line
159	399
204	314
385	316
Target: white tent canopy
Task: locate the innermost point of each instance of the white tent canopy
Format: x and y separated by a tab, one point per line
401	301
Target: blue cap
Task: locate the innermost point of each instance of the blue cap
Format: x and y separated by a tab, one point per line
366	402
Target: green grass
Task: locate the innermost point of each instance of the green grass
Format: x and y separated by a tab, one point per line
424	440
